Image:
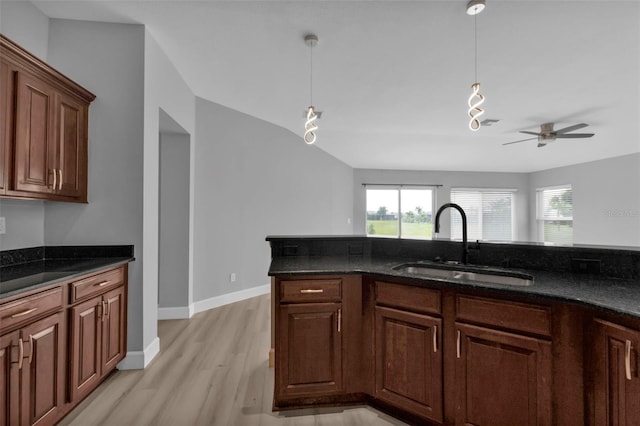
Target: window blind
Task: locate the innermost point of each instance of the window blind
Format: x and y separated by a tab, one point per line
489	214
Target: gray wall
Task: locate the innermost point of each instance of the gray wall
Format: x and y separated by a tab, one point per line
23	23
173	262
107	59
24	220
606	199
26	25
254	179
448	180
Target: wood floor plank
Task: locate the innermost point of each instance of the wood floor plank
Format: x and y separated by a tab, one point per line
211	370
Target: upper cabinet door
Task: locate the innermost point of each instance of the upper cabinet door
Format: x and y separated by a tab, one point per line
35	151
6	117
71	147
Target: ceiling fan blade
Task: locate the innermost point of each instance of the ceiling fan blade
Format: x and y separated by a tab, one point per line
570	128
522	140
529	133
575	135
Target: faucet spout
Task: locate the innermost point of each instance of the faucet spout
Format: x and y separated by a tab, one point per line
465	247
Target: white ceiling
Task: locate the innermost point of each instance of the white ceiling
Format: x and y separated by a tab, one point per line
392	77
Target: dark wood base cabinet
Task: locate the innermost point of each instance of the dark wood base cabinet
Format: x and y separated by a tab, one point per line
434	356
57	344
616	377
502	378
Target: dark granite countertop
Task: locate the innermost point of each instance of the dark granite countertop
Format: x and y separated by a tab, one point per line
28	269
621	296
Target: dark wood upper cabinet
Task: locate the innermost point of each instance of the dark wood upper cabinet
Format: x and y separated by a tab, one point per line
6	117
44	138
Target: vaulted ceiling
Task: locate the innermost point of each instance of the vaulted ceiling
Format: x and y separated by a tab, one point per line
392	77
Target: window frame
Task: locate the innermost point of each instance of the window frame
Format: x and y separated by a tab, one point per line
399	188
540	216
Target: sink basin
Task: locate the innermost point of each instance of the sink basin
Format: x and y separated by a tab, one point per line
488	276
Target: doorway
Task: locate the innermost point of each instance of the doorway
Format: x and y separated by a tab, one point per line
174	298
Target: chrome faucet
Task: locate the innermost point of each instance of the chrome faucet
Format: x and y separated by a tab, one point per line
465	247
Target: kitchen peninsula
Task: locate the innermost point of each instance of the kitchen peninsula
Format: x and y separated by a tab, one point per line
355	321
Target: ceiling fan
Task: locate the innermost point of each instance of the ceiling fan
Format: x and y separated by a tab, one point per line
547	134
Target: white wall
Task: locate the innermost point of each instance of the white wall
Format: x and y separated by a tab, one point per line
254	179
164	89
606	199
107	59
448	180
23	23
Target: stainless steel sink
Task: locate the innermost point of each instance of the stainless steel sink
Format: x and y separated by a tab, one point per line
492	277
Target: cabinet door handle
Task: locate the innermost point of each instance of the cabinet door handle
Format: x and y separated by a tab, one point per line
458	345
23	313
627	359
20	353
31	346
311	290
60	181
339	320
102	284
435	338
55	179
104	309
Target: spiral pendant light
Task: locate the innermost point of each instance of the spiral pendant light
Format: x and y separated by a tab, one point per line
476	99
310	125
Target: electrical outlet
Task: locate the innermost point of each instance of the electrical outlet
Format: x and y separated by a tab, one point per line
586	266
3	226
232	277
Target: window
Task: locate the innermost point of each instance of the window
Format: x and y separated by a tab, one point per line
489	213
399	212
555	214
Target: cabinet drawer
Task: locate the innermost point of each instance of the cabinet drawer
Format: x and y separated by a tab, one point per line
413	298
534	319
25	309
96	284
301	291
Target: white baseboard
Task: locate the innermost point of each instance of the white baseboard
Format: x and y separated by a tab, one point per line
176	312
225	299
138	360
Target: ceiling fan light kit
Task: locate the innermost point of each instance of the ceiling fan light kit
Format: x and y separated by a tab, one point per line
476	99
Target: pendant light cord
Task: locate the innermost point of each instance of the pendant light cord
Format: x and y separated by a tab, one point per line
475	38
311	74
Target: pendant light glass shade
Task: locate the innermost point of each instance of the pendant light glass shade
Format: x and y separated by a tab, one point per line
310	126
475	100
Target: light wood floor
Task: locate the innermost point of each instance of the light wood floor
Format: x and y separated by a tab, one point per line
211	370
